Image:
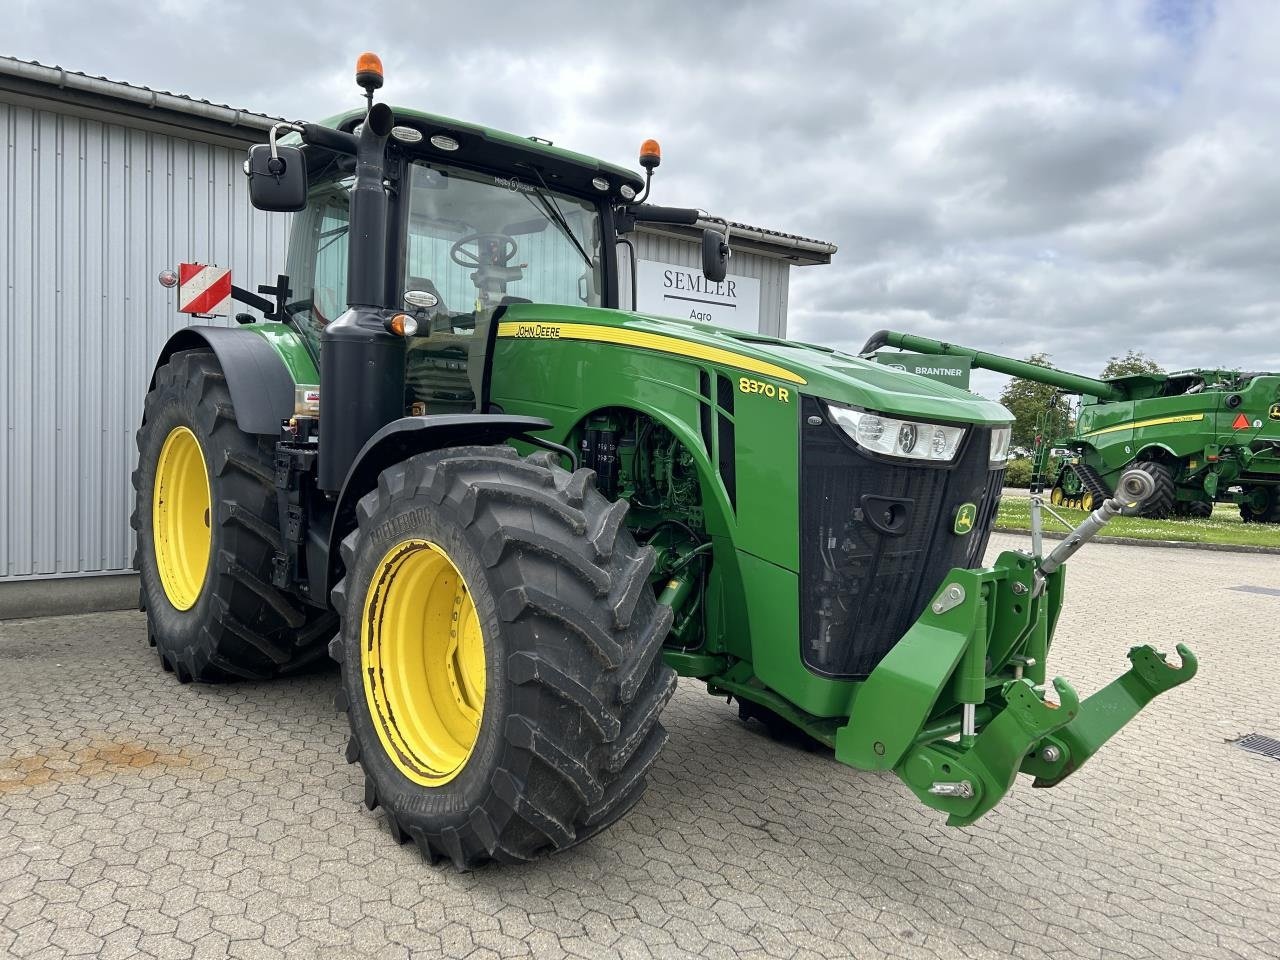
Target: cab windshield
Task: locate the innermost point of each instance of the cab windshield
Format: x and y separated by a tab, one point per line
473	242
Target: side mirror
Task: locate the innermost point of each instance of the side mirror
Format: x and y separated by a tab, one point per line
715	255
279	183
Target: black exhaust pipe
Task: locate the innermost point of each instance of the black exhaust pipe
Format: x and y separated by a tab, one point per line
361	362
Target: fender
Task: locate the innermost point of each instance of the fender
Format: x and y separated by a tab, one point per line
262	389
400	439
1163	448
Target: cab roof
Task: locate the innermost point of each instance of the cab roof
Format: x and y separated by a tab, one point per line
487	147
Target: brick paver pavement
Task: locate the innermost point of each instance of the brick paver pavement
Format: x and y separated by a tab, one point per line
141	817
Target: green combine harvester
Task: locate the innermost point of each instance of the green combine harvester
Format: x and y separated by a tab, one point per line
1204	436
514	513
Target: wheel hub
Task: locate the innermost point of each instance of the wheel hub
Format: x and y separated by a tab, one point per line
180	515
423	662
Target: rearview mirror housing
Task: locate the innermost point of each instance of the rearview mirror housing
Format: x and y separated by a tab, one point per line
715	255
277	184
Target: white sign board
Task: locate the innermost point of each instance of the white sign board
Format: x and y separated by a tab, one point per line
669	290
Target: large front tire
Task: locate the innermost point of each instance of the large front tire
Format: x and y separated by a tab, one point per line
205	517
501	655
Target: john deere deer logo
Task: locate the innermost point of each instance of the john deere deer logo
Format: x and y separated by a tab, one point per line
966	514
1274	412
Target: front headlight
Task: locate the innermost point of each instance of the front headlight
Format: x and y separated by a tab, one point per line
1000	444
894	437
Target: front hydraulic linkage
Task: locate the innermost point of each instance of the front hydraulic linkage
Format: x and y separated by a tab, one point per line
957	707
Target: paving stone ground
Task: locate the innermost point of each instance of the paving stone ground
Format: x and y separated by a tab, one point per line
139	817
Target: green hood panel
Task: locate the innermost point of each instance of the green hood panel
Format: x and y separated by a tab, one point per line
813	370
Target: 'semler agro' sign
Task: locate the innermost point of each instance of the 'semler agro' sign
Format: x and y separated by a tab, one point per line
669	290
952	370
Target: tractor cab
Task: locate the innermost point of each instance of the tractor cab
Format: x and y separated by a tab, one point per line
475	220
467	242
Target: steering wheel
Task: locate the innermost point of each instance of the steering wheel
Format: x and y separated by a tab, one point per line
503	247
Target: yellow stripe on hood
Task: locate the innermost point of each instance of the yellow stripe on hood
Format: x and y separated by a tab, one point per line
599	333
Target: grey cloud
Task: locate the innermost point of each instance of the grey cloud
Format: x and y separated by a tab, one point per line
1073	177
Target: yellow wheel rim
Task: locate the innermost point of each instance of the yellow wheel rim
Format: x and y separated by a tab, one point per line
1056	496
180	506
422	658
1086	502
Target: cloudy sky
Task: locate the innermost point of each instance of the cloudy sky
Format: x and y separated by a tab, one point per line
1076	178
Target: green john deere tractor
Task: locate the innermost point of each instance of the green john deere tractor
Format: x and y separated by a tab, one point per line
513	513
1203	435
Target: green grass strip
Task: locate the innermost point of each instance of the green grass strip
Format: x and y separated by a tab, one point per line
1224	526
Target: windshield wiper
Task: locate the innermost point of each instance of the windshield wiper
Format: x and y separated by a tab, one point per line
332	236
551	209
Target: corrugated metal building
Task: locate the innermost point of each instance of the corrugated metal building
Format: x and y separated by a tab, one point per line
103	184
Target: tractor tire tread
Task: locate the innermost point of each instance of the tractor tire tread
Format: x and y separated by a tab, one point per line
527	668
643	718
555	780
506	538
523	732
273	597
519	599
242	626
630	679
231	512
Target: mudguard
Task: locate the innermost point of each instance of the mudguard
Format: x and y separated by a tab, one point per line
403	438
262	389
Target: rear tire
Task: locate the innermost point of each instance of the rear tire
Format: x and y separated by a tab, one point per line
572	682
1199	509
231	623
1268	512
1160	505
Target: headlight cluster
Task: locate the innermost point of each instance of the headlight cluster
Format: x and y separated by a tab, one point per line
893	437
1000	444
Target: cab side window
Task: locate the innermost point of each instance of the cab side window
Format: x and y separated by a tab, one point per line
318	261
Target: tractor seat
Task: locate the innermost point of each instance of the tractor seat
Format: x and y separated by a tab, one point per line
426	285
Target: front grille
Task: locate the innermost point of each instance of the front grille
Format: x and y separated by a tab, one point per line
877	537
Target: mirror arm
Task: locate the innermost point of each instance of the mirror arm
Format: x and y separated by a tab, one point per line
724	223
652	213
271	140
316	135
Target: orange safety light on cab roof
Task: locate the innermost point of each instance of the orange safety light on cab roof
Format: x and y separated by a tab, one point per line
650	154
369	70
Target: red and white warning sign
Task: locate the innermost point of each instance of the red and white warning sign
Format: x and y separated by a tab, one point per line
204	289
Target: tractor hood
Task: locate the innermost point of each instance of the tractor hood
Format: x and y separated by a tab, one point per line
814	370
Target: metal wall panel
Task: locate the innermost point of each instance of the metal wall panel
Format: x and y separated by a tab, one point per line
90	213
772	274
